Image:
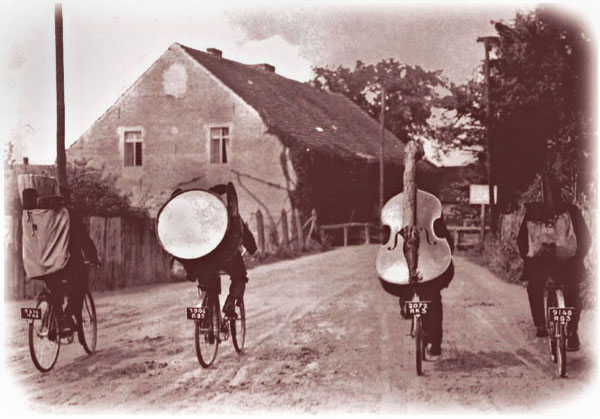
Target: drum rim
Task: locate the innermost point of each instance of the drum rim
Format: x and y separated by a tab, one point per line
173	197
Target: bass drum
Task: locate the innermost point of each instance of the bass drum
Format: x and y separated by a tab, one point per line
192	224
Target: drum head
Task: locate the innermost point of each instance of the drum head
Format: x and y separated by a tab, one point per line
192	224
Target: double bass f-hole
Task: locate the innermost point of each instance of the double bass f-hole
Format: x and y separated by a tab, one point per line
427	236
429	239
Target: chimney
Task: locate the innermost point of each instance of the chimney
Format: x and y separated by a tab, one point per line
25	161
265	67
215	52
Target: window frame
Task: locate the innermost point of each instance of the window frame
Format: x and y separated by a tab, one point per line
227	139
123	141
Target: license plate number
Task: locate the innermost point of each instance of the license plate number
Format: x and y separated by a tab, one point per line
416	307
195	313
560	314
31	313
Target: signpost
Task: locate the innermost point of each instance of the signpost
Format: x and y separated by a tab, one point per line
480	195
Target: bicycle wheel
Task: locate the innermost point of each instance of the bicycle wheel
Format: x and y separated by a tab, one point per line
238	327
44	337
561	351
419	345
206	335
87	330
550	301
561	339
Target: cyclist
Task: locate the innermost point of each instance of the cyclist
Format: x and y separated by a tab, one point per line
76	273
553	241
429	291
231	260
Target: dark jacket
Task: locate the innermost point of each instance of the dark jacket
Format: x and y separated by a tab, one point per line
534	210
80	243
572	267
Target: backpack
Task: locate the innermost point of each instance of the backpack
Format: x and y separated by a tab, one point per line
45	241
45	224
552	238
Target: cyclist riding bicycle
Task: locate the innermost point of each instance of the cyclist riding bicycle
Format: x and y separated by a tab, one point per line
55	241
230	260
81	248
553	241
429	291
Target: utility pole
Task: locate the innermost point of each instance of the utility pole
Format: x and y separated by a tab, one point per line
487	43
381	149
61	158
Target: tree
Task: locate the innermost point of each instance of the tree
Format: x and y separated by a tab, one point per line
410	92
541	99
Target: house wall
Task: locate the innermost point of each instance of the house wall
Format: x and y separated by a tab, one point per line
174	104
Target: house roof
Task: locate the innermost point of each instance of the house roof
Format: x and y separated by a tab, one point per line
301	115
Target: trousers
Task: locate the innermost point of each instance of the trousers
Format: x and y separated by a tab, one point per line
567	273
428	291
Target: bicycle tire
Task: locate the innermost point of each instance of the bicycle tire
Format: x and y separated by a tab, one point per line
561	351
419	345
561	341
237	327
550	301
87	325
206	333
47	331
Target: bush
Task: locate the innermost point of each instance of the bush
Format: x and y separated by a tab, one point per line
95	194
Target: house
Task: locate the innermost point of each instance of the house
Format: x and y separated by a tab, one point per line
195	119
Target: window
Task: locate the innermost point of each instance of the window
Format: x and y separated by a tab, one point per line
133	148
219	144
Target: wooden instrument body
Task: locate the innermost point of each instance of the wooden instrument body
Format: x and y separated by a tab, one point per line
434	252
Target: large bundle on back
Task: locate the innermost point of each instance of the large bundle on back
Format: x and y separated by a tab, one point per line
46	226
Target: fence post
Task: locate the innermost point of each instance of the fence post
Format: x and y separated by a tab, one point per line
299	229
260	226
345	235
313	216
294	237
367	236
284	230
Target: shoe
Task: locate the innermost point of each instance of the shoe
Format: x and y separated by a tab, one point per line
541	332
229	307
67	325
572	342
433	352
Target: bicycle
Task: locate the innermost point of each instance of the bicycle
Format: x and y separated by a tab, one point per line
45	333
557	318
210	328
418	308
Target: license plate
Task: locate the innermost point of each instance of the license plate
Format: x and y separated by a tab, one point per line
416	307
195	313
31	313
560	314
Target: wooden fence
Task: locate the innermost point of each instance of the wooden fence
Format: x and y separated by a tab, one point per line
127	246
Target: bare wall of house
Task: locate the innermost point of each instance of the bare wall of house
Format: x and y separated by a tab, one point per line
174	105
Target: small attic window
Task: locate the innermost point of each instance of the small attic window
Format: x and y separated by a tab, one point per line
319	129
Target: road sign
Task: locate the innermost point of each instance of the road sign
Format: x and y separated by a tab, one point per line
480	194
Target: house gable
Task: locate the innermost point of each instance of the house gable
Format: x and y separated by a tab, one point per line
174	105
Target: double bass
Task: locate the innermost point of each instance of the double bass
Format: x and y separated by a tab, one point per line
413	253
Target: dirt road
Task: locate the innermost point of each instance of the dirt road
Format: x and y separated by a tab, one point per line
322	336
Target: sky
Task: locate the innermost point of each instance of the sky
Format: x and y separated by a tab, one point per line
109	44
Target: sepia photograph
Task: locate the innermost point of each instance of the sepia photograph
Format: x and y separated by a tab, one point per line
299	207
